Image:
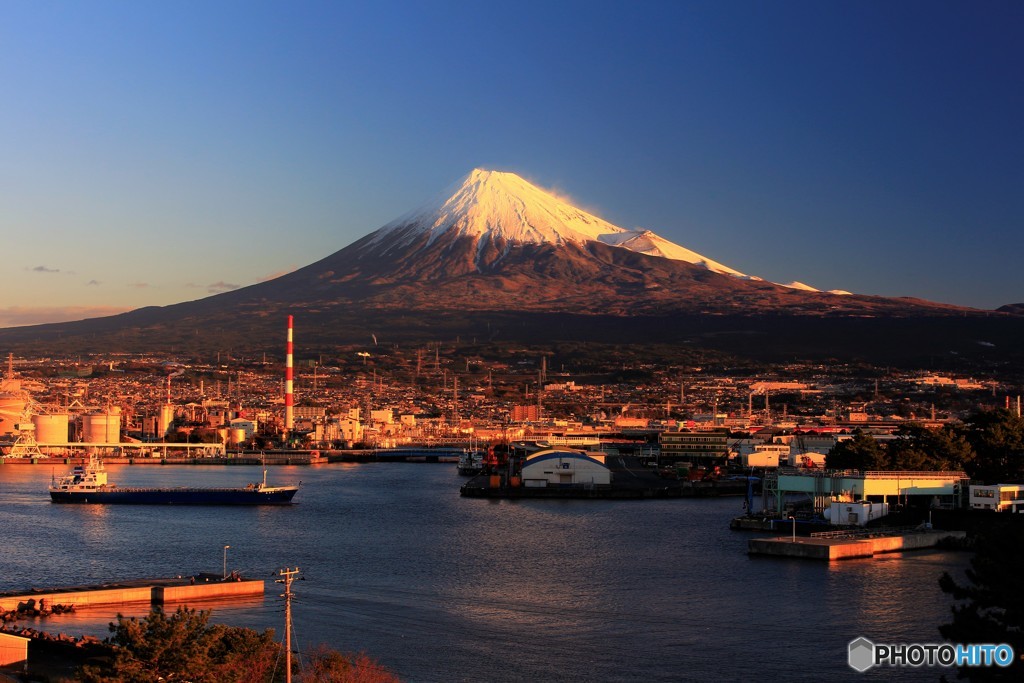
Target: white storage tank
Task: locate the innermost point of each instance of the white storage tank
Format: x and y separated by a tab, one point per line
102	427
52	428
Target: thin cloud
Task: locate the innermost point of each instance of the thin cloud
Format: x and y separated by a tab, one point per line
274	276
93	283
44	269
563	196
221	286
19	316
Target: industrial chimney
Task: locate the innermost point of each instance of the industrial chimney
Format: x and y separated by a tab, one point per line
289	399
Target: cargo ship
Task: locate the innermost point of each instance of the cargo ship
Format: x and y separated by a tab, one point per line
88	483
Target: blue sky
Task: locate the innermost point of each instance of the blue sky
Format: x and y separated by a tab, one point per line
159	152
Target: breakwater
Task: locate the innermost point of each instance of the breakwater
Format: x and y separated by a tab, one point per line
152	591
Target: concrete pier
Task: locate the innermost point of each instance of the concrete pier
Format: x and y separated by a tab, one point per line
217	590
816	548
149	591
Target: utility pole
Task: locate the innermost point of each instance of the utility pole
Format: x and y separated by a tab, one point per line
288	574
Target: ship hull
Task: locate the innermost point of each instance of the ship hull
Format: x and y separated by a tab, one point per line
278	495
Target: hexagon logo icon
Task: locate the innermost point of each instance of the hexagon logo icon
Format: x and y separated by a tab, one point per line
862	654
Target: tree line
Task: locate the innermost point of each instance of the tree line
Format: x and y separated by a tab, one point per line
184	646
988	446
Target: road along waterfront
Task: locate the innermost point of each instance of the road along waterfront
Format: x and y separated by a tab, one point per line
439	587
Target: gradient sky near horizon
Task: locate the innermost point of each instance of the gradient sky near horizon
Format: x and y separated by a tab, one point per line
159	152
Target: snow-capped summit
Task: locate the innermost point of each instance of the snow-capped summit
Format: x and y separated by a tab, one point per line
504	209
496	205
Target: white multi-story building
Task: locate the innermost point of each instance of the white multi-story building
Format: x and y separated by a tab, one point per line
998	497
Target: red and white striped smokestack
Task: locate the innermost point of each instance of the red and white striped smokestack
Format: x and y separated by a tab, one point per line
289	399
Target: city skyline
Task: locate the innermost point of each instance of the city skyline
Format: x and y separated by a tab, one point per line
158	154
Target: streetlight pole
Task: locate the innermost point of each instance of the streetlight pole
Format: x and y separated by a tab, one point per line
794	527
225	570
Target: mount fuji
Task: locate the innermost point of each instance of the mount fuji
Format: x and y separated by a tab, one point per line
497	256
495	242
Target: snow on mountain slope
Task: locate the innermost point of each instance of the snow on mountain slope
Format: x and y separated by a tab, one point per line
647	242
800	285
502	208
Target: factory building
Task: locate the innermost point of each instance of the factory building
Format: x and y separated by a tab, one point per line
694	447
826	487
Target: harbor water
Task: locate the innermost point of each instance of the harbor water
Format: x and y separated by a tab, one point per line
442	588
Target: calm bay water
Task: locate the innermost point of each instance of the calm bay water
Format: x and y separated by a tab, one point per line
442	588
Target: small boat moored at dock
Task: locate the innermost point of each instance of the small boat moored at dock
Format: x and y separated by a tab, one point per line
471	463
88	484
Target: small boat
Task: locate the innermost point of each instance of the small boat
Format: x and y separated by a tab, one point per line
471	463
88	484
